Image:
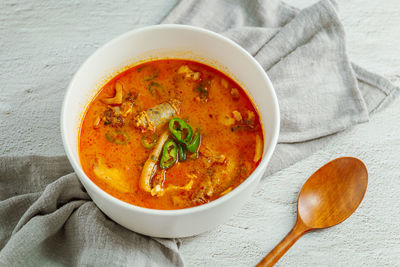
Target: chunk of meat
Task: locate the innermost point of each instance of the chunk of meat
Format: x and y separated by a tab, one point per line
236	115
226	120
204	192
158	182
211	157
247	124
218	180
115	115
224	175
250	116
188	73
157	115
235	93
112	117
159	190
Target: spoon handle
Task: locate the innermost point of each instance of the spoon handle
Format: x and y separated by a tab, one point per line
298	230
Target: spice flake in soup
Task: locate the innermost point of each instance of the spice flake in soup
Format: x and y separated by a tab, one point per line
170	134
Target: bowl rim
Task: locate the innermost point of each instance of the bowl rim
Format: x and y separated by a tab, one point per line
262	165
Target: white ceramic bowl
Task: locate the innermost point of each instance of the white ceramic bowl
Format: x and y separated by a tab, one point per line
158	42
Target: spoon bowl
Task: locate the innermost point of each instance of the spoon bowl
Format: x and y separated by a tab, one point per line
332	193
327	198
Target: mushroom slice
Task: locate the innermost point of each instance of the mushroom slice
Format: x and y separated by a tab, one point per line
150	166
117	99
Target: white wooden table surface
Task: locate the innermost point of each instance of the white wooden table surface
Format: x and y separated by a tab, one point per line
42	43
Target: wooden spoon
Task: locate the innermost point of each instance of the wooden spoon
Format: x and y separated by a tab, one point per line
327	198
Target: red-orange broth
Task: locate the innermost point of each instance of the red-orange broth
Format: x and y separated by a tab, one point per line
129	117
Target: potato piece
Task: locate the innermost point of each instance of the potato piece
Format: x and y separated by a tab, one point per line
112	176
196	76
259	149
224	83
236	114
226	120
178	201
184	69
235	93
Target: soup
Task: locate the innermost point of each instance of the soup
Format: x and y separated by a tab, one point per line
170	134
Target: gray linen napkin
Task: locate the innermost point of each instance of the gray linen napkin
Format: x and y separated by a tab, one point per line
47	217
303	52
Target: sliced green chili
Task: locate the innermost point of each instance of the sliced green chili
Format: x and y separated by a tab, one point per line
203	88
153	87
181	130
117	137
194	144
149	141
169	154
182	153
155	75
